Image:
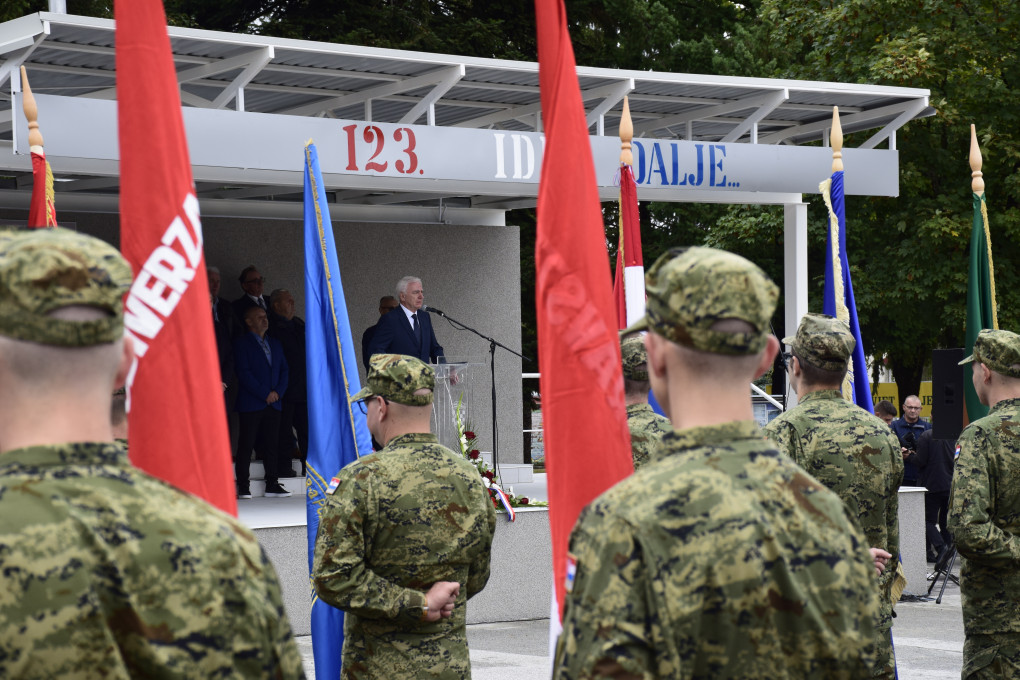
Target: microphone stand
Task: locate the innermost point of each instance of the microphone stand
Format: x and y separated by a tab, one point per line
493	344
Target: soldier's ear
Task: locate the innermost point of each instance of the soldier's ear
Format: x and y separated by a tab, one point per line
768	356
127	358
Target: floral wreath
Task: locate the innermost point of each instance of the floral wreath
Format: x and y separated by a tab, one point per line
469	449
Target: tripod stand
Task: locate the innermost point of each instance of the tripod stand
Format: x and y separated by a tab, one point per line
944	568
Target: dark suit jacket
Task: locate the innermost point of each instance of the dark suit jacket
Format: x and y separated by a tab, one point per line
226	329
291	335
394	335
243	303
256	377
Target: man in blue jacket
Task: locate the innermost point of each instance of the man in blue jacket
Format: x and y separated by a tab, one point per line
407	329
262	375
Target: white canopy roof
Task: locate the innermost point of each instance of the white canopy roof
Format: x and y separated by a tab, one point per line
73	57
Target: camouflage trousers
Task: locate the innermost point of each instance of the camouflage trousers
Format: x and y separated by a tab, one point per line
885	660
995	655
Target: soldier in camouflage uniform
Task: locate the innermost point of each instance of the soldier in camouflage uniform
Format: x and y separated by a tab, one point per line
845	448
106	571
984	512
721	557
646	426
404	537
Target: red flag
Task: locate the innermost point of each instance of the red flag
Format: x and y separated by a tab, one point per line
42	212
629	284
177	423
586	438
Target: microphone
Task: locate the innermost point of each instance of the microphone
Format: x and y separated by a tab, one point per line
433	310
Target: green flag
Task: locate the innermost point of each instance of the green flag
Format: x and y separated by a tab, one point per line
980	298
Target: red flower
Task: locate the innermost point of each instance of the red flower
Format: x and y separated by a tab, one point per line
495	502
473	455
469	434
489	475
524	501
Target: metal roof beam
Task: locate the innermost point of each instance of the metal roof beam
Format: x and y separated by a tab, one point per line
452	77
916	107
408	197
620	90
529	109
772	101
820	126
258	61
373	92
704	113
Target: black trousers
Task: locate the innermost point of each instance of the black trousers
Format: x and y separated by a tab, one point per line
257	430
936	512
293	418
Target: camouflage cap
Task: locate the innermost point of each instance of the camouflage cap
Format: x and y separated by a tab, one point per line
691	289
823	341
397	377
44	270
998	350
635	357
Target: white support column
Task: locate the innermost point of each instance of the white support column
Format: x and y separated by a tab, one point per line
795	266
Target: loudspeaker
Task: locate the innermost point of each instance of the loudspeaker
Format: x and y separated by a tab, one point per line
946	393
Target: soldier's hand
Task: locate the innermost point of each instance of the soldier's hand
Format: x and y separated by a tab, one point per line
441	598
880	557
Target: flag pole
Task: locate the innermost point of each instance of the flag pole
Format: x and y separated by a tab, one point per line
35	137
977	182
836	141
626	134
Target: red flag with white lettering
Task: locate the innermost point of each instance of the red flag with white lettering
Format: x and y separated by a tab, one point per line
587	443
177	421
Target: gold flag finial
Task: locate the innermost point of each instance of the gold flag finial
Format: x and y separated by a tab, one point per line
977	184
35	138
836	141
626	134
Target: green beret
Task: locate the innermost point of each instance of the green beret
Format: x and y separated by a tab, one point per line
44	270
689	290
397	377
823	341
998	350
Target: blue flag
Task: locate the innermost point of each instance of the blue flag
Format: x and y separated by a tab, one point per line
839	292
337	433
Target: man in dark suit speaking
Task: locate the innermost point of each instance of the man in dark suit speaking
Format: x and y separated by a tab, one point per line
407	329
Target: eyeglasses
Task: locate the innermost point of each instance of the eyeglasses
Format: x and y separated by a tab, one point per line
258	280
364	406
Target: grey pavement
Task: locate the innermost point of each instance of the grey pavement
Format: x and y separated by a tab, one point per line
928	638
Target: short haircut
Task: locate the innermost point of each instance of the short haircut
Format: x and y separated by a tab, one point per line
887	407
385	298
250	312
244	273
818	376
403	283
278	291
118	411
214	270
636	387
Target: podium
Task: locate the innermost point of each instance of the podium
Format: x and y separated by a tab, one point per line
454	389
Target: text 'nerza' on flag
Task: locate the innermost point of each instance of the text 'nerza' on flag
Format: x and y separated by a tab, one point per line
167	318
337	433
838	300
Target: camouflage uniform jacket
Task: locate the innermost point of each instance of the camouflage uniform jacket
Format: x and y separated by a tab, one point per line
400	520
720	558
108	572
856	455
646	429
984	516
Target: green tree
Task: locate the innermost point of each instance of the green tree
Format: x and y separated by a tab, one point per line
910	253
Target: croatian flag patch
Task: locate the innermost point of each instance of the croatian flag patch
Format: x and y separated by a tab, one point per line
571	571
957	453
333	484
